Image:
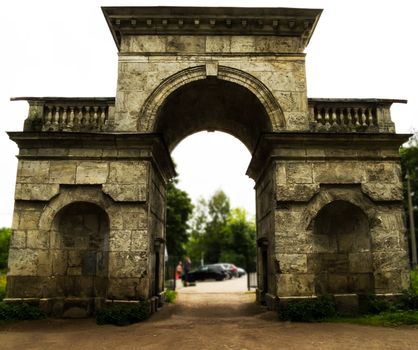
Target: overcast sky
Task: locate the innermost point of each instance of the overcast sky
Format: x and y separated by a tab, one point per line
360	48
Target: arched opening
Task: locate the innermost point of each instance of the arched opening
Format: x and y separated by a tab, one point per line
210	165
81	250
215	103
212	104
343	261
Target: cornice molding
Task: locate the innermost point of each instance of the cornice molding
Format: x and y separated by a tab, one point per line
289	22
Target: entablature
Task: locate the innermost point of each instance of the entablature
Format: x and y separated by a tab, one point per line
289	22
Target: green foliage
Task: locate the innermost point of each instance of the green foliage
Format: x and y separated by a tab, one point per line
12	312
414	281
179	210
170	296
221	233
408	301
374	305
307	310
388	319
2	285
123	314
4	246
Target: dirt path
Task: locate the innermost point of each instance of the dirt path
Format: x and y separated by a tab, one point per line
205	321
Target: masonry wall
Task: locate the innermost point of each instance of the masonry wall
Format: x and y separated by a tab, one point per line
146	61
375	262
51	257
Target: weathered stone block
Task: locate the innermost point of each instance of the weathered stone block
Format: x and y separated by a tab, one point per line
185	43
29	220
126	193
383	191
292	263
383	172
297	121
334	172
36	192
59	262
37	239
295	284
32	171
128	172
296	192
143	43
395	281
299	173
132	264
390	260
386	240
360	262
18	239
92	172
128	289
23	262
120	240
218	43
139	240
62	172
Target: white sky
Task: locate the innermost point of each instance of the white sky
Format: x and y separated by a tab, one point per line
360	48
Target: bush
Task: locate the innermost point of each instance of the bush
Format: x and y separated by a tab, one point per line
408	301
414	281
170	296
123	314
308	310
2	284
4	246
373	305
12	312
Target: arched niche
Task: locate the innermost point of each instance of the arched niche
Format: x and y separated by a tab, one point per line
342	243
80	256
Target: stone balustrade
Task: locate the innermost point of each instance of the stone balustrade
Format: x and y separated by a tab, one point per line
351	115
68	114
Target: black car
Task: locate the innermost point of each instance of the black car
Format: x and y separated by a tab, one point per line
207	272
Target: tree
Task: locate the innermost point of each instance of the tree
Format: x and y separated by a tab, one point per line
179	210
240	248
222	234
4	246
216	227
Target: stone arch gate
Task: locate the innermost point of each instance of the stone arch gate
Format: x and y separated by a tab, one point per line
89	218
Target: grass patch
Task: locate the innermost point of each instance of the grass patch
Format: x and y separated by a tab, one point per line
123	314
386	319
170	296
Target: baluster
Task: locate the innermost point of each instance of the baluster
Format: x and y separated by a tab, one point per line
334	116
102	119
48	116
95	117
79	117
356	117
363	117
71	118
56	118
88	116
63	121
327	117
370	121
349	118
